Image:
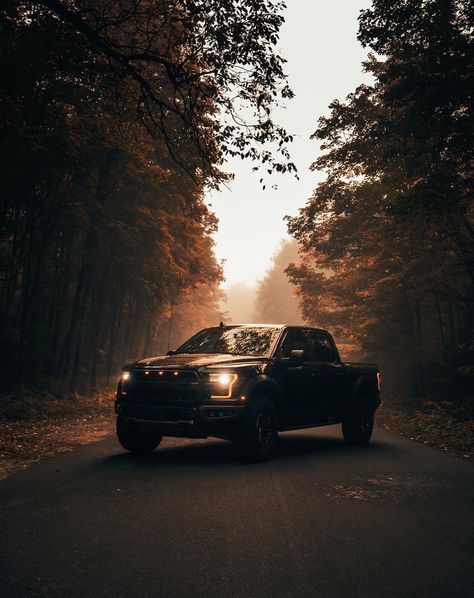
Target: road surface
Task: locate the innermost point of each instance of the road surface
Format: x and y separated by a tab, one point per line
321	519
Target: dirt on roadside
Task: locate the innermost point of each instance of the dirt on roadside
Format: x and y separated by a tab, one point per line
25	442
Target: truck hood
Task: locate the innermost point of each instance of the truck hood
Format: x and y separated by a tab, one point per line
197	360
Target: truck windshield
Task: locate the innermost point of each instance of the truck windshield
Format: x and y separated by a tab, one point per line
235	340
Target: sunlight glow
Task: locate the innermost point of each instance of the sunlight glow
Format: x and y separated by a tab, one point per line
319	41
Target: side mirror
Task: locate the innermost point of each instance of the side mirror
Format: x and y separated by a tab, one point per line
297	356
171	352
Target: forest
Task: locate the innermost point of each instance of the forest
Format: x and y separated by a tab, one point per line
116	116
387	258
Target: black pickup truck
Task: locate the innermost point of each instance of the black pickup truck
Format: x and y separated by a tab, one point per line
245	383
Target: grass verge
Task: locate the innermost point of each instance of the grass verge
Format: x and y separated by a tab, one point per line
447	425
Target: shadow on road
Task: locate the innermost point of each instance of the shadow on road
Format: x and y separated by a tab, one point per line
215	453
297	445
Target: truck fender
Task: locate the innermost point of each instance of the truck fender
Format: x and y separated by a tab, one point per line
364	385
263	385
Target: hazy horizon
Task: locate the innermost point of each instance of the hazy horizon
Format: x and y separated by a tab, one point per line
324	63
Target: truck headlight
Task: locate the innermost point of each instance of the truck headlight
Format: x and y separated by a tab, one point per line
223	384
125	376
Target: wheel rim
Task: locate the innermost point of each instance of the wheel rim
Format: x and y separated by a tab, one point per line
264	428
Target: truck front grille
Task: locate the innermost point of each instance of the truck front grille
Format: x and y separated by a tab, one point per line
154	386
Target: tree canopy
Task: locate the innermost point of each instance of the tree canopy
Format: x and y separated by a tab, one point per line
196	72
388	236
116	115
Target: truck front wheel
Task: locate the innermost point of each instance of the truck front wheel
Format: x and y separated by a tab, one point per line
358	423
136	439
258	434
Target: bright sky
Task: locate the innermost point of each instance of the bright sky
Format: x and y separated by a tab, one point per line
324	63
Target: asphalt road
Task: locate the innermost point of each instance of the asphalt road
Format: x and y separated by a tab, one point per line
321	519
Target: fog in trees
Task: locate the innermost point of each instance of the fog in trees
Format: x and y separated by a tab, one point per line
388	236
238	304
115	119
276	301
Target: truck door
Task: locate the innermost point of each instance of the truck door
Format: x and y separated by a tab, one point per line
327	378
295	377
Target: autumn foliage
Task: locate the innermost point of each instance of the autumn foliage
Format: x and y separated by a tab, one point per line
388	253
115	118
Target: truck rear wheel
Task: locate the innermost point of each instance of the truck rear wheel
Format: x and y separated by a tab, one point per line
258	434
136	439
358	423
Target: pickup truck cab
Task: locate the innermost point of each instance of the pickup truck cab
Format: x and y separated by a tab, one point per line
246	383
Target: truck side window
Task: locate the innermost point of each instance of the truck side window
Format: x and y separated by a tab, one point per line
294	339
323	350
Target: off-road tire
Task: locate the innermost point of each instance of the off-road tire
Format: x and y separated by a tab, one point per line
136	439
358	422
258	433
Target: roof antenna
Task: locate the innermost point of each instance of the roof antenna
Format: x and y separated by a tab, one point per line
221	325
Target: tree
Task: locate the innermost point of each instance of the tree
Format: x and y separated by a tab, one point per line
100	232
393	223
191	69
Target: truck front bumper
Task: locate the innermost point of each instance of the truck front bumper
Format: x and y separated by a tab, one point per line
183	422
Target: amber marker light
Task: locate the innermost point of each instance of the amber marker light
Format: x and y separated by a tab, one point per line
224	381
175	373
379	381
